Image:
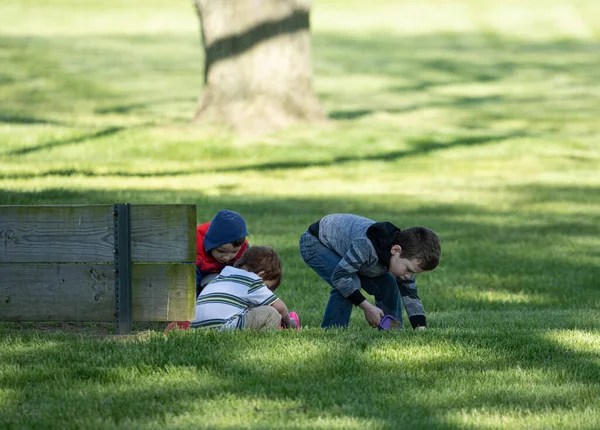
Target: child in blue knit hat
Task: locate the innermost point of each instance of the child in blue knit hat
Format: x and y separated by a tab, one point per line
219	243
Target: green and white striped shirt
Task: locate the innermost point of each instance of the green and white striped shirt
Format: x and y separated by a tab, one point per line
223	303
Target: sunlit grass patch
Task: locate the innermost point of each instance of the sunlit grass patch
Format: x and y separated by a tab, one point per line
556	418
578	341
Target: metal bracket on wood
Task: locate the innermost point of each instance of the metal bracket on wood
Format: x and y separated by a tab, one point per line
122	252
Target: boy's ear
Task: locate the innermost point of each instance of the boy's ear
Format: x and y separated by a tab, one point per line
262	274
396	249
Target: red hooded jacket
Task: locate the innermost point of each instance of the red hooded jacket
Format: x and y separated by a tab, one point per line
206	262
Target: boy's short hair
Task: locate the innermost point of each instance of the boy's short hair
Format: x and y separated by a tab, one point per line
419	243
239	242
257	259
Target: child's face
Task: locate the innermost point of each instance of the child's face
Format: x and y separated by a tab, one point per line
401	267
225	253
271	284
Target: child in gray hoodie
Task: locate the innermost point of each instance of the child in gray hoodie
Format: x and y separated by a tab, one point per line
351	253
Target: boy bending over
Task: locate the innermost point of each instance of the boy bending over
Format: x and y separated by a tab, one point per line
241	297
351	252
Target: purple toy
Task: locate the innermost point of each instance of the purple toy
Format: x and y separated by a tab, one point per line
388	322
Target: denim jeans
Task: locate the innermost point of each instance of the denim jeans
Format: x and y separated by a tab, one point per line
337	313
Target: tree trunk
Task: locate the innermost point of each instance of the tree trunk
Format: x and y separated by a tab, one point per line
257	71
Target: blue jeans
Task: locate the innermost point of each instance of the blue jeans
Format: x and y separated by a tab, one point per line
337	313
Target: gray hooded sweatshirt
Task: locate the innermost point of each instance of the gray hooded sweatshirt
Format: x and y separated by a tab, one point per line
364	245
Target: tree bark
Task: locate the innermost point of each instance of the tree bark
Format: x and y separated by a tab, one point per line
257	71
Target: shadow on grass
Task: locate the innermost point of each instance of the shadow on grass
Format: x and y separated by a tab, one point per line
489	367
455	58
109	131
560	193
415	65
418	147
425	64
463	103
133	107
470	371
11	118
543	258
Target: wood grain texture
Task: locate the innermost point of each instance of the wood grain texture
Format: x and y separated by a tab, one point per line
85	292
56	234
163	233
84	233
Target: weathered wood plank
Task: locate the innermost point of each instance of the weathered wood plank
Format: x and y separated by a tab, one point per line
164	292
70	234
56	233
163	233
85	292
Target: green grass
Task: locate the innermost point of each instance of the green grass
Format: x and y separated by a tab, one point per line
476	118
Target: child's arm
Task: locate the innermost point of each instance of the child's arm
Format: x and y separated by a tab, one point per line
345	279
285	314
412	302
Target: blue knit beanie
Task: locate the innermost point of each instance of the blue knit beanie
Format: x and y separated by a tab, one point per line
226	227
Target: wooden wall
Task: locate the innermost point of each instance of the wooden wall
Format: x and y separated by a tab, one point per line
56	262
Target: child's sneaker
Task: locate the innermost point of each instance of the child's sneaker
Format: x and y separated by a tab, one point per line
294	316
177	325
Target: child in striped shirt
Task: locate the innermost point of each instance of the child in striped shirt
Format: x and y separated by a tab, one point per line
241	297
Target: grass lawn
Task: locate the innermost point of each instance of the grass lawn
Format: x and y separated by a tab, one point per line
476	118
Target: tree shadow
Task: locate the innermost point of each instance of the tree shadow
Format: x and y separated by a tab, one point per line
55	143
425	64
525	258
396	385
132	107
109	131
12	118
558	193
458	102
349	114
417	147
501	346
454	56
413	65
237	44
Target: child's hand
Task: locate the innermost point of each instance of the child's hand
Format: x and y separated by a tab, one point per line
287	322
373	314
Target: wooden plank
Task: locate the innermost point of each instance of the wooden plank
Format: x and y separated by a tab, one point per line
84	233
163	233
85	292
56	233
164	292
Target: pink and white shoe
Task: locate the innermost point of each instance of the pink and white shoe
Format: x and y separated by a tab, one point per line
294	316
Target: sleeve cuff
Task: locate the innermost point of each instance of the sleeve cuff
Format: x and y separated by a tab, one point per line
418	320
356	298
